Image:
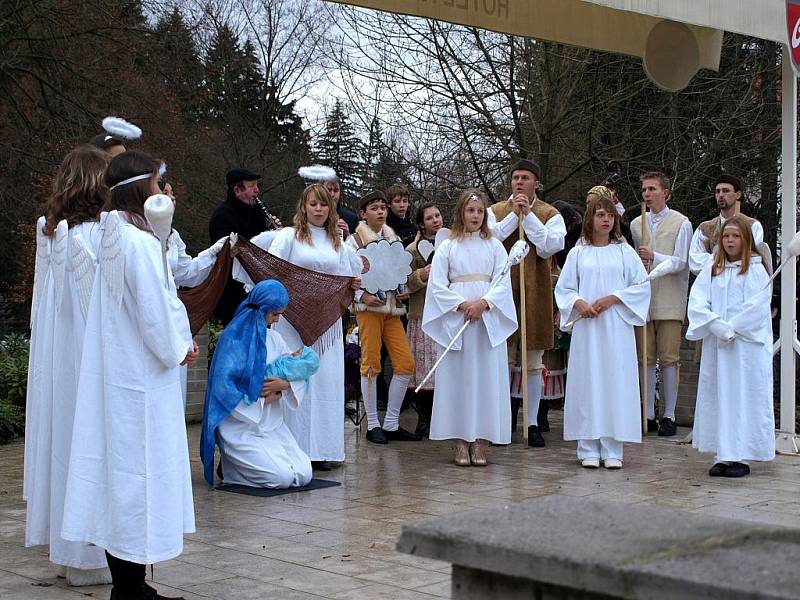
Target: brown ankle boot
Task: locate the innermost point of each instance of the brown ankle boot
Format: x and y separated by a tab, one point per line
462	453
477	453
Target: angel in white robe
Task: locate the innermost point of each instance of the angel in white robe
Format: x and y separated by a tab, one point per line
603	281
318	422
129	486
65	269
730	311
471	400
63	279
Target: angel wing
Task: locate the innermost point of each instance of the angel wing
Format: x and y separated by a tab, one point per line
42	265
112	256
83	265
58	260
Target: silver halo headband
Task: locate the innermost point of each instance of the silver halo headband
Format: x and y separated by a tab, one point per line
162	168
132	179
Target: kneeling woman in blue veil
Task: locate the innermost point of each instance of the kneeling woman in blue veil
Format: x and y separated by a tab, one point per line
254	379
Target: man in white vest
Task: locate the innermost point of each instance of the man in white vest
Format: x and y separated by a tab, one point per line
667	235
727	191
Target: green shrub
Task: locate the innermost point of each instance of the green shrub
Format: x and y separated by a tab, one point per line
12	422
214	331
14	349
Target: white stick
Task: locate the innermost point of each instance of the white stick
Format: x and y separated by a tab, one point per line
446	350
517	254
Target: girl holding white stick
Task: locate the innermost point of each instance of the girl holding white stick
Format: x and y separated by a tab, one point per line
468	281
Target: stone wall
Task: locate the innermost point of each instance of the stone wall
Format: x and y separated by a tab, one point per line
687	386
196	379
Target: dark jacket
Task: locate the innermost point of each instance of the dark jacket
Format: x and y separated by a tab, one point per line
348	215
234	216
404	228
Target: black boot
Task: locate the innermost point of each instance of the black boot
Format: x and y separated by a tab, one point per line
127	579
535	439
515	402
541	416
151	593
424	409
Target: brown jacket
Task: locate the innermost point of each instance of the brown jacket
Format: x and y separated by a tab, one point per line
538	282
417	287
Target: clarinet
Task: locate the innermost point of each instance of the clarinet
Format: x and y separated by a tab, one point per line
272	221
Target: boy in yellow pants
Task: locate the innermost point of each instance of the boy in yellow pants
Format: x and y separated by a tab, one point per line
379	323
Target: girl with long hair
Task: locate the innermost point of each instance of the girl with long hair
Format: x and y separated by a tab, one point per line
129	488
729	309
63	279
314	243
603	282
429	221
467	282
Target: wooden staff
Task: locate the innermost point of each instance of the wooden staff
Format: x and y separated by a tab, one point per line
644	234
523	337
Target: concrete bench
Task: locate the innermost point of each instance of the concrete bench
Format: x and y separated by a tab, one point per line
573	548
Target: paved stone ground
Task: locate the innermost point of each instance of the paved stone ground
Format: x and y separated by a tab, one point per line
338	543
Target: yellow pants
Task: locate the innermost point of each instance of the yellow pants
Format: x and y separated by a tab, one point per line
376	328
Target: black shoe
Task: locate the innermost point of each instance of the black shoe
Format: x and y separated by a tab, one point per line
150	593
401	435
541	416
320	465
515	402
737	469
377	436
667	428
718	470
652	425
535	439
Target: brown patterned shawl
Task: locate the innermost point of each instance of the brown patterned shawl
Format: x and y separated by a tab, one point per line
317	300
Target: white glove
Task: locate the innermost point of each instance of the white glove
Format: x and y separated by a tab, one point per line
216	248
722	330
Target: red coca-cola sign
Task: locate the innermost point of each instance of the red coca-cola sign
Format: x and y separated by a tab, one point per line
793	29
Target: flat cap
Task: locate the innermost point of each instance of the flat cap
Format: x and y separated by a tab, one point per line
234	176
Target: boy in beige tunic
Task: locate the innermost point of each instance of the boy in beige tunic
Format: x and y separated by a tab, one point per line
667	237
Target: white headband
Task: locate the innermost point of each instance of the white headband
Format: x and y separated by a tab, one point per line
162	168
131	180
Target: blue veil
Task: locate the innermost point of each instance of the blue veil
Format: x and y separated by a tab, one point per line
239	363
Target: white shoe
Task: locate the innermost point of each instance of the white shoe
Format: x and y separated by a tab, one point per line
84	577
591	463
612	463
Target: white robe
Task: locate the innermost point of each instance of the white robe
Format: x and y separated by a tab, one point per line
318	423
471	398
129	486
602	396
187	271
733	416
65	269
256	446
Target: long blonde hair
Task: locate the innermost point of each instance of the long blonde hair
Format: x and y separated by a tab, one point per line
459	229
721	257
301	230
79	188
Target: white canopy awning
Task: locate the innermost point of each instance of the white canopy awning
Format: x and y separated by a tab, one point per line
691	39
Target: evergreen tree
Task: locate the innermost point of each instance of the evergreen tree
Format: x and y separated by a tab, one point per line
340	148
178	63
382	168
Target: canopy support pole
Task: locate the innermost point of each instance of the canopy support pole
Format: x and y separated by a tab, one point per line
787	441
